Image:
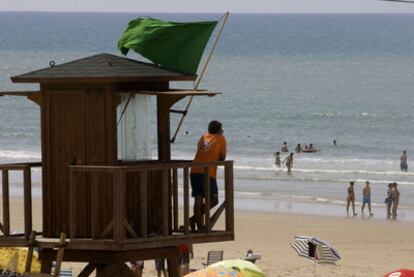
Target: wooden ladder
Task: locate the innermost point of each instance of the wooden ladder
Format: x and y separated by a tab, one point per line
59	257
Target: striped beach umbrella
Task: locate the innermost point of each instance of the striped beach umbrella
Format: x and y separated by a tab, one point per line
313	248
319	251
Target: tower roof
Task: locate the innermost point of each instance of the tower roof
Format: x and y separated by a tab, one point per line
102	68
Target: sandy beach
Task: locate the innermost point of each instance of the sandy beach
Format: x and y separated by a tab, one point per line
368	247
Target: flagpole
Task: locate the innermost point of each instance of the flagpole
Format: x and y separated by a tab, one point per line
197	83
225	17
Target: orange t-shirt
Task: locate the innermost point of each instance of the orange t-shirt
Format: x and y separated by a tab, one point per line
209	148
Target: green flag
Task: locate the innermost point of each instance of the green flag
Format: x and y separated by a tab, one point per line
172	45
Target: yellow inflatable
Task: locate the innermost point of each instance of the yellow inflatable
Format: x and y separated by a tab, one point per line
14	259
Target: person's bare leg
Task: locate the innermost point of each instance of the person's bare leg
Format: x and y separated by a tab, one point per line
369	209
138	271
213	203
394	209
362	208
192	222
388	212
396	214
347	206
353	207
185	269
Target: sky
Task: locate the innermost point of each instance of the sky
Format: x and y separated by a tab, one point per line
208	6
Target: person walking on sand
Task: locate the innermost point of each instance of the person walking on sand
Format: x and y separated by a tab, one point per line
289	162
186	251
160	267
277	159
388	200
366	198
395	195
403	161
210	147
351	198
284	147
137	266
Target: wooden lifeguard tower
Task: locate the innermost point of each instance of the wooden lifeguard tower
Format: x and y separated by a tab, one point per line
113	205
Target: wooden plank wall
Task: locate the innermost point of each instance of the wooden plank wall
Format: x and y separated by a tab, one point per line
78	126
139	185
101	150
64	145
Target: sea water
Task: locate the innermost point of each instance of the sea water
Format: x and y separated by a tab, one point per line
294	78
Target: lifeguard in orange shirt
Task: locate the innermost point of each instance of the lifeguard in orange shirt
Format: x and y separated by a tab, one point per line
210	147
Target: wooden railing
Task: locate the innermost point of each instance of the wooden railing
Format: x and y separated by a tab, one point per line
27	196
171	173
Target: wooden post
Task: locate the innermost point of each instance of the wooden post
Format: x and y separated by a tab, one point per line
164	197
173	263
6	203
87	270
59	256
94	204
119	205
72	204
186	200
45	266
175	197
143	205
30	252
207	199
228	179
163	127
27	196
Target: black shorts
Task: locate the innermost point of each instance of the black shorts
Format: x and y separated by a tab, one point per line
160	264
197	185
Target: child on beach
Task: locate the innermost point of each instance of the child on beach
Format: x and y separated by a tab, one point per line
351	198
